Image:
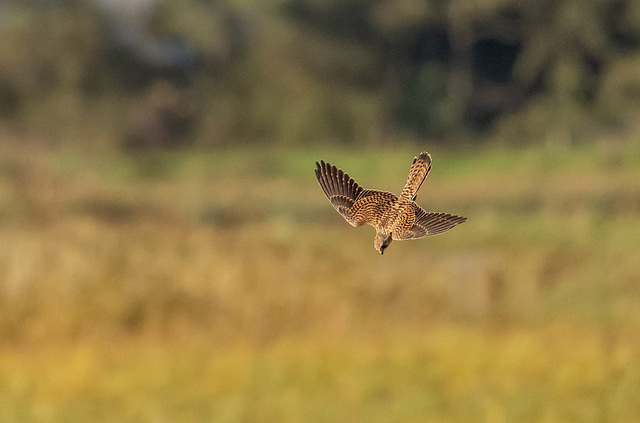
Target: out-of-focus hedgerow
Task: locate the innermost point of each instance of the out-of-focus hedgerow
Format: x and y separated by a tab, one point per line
165	73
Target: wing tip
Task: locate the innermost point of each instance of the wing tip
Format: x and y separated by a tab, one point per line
438	223
335	181
460	219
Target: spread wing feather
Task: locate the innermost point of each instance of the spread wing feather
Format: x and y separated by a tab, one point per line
341	190
427	224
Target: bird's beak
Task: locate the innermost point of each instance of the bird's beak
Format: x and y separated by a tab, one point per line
381	252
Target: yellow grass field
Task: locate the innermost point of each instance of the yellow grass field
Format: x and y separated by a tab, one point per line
221	286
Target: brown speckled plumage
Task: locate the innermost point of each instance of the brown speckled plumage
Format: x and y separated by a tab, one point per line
394	218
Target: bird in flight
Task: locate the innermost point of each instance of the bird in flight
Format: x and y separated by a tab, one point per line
394	218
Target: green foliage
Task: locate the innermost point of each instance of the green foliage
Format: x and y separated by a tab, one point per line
304	71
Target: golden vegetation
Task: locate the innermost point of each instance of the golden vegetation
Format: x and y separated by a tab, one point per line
221	286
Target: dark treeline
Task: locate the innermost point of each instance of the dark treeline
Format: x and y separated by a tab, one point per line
146	73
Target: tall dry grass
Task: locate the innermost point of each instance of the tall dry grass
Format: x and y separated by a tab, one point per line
221	286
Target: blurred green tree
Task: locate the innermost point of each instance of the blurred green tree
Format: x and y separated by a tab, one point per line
304	71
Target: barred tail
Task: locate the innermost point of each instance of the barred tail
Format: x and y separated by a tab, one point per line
417	174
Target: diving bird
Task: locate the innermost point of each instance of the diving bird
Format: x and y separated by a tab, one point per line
394	218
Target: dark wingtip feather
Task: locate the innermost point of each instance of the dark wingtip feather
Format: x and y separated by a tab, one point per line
335	181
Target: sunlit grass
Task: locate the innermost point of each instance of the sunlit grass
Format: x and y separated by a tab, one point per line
221	286
451	373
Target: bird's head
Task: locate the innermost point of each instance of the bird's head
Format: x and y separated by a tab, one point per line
381	241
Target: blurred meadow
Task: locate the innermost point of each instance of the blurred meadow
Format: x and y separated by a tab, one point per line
167	255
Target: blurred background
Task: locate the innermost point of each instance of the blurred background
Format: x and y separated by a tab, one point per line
166	254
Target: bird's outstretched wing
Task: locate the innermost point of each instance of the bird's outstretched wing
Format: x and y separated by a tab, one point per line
341	190
417	174
426	224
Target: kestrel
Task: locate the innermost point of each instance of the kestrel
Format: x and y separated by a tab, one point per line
394	218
